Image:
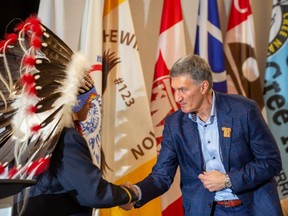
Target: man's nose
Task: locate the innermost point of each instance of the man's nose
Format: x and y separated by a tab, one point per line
178	98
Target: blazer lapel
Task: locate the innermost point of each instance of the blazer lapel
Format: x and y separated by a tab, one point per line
225	123
193	144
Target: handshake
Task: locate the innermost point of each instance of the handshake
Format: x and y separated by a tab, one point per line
130	205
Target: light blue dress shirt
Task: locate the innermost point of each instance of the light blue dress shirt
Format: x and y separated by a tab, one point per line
209	136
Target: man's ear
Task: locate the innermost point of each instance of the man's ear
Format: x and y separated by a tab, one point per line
204	87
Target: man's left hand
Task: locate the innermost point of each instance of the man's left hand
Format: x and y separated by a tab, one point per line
213	180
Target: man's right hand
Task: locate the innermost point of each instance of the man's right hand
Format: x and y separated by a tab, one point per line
129	206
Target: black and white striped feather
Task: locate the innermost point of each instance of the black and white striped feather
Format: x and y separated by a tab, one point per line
32	115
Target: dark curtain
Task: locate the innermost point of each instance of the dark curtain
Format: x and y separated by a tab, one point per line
13	11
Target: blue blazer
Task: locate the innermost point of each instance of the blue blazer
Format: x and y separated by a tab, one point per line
250	157
72	185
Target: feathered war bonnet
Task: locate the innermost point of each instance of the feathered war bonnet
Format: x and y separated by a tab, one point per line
86	92
39	82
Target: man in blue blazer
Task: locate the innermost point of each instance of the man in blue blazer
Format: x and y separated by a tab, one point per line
72	184
226	153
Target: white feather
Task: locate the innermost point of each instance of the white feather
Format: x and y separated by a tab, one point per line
75	73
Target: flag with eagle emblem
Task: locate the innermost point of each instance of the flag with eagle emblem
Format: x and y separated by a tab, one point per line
127	133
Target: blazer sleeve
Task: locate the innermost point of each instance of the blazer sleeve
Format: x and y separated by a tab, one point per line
163	172
76	172
266	159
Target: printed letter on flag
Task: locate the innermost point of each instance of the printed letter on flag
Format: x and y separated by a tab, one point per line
208	43
242	68
128	138
171	47
276	87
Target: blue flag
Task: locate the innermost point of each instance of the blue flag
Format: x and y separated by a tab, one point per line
276	87
209	42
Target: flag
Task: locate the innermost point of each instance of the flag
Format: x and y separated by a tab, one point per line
81	28
208	43
91	47
65	23
276	87
171	47
239	45
50	11
128	138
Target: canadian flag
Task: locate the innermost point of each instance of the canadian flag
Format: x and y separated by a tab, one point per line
171	47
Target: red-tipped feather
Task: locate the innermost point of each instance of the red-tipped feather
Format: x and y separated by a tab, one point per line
41	166
12	38
2	43
2	168
12	172
36	42
33	20
9	39
31	109
27	79
36	28
53	62
31	23
19	27
35	128
31	90
29	61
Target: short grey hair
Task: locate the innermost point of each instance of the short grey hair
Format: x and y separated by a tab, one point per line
195	66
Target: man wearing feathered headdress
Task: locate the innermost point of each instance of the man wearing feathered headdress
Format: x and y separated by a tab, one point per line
45	91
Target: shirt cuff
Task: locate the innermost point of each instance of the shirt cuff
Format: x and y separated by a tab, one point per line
139	192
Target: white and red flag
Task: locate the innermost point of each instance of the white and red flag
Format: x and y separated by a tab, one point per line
239	45
171	47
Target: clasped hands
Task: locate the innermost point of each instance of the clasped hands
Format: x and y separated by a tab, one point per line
212	180
129	206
